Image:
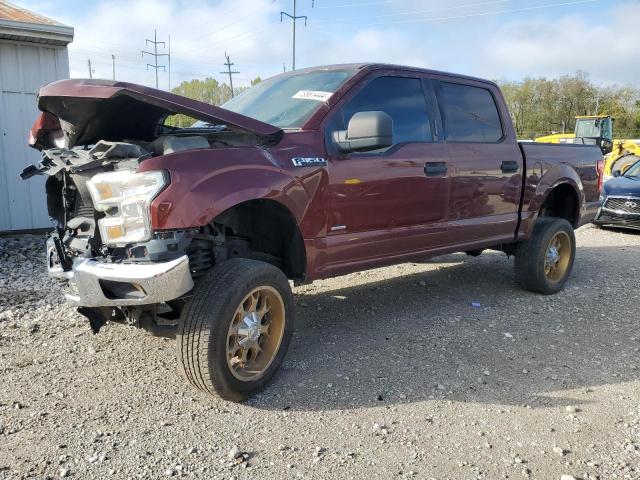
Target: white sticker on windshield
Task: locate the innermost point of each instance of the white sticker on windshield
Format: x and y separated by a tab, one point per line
318	95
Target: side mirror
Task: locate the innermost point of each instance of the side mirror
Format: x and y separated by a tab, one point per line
366	131
606	146
617	173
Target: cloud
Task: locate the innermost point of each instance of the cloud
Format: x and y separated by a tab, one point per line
200	34
540	42
603	47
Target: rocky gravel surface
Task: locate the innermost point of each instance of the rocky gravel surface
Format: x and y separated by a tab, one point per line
442	370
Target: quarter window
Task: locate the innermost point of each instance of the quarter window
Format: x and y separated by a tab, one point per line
470	114
402	99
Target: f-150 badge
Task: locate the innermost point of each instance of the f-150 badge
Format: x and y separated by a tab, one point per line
309	162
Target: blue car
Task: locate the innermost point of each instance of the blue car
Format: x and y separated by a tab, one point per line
620	200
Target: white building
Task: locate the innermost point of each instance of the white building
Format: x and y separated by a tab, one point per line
33	52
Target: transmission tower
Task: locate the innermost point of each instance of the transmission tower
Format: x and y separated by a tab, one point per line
229	64
155	55
295	17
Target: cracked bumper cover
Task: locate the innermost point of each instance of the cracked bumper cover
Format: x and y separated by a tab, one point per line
92	283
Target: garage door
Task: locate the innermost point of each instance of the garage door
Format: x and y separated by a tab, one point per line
24	68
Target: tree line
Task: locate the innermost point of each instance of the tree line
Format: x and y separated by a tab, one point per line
540	106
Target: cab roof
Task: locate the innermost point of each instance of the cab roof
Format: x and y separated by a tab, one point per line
387	66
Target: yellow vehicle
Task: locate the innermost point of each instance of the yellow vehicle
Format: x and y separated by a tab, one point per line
624	154
620	154
590	130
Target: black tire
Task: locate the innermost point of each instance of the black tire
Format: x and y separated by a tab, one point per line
203	332
531	256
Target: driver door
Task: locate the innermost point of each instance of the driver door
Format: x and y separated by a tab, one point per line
392	201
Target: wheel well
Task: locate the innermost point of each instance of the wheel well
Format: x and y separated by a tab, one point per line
270	231
562	202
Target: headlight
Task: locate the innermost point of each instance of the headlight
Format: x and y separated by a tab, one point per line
125	197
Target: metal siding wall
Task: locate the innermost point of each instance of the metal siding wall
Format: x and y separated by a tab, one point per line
4	198
23	69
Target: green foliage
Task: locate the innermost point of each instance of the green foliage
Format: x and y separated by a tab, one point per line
208	90
540	106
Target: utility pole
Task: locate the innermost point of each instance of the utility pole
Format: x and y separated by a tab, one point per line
295	17
169	61
229	72
155	55
91	70
113	65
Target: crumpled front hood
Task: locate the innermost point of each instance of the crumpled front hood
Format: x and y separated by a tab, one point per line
93	110
622	186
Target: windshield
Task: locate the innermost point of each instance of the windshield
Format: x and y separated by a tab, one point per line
633	171
287	101
588	128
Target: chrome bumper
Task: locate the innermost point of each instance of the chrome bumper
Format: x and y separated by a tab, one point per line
92	283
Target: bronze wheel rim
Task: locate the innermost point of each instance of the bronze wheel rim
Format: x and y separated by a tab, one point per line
557	257
255	333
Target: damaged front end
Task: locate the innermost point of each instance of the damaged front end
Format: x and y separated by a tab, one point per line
93	135
112	264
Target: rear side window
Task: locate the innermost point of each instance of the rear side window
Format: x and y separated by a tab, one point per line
470	114
402	99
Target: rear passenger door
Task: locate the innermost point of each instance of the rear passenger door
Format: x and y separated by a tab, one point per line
486	163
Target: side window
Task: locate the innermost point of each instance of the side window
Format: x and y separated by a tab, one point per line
470	114
402	99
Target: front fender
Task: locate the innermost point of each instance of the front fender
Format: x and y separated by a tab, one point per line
205	183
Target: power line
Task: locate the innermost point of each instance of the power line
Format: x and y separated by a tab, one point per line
240	36
229	72
187	69
363	4
470	15
155	54
430	10
133	58
219	29
295	17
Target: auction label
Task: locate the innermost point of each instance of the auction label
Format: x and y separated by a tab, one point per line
318	95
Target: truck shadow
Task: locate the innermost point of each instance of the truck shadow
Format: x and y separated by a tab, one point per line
418	337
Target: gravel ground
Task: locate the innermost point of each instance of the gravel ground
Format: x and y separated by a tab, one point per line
392	373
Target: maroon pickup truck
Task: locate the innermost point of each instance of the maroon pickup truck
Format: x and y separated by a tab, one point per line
194	232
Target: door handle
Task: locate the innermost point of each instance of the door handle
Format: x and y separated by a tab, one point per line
509	166
435	169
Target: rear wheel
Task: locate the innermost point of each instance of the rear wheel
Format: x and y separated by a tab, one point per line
234	333
544	262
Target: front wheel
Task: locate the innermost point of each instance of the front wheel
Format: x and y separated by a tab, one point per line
544	262
235	331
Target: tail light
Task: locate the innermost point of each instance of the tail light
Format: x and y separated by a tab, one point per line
600	168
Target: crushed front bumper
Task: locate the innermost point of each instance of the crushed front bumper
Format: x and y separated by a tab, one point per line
92	283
